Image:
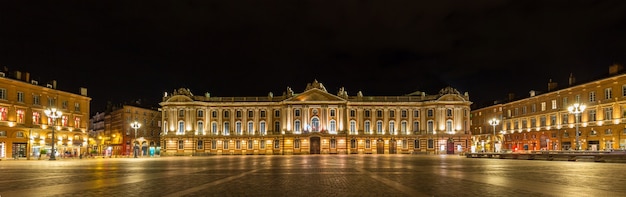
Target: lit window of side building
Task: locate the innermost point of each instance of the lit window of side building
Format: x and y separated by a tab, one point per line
542	121
315	122
26	130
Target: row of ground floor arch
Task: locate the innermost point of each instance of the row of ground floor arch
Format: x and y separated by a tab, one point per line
314	144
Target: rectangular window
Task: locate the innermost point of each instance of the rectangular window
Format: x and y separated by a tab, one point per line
367	113
624	90
608	93
430	113
543	106
416	144
366	127
608	132
20	97
296	113
250	144
542	121
3	94
592	115
181	113
523	110
36	100
392	113
552	120
296	143
368	144
181	144
431	143
353	143
200	144
379	113
332	113
20	116
64	104
262	144
262	113
592	96
36	118
238	113
250	113
403	113
238	144
553	104
352	113
76	106
77	122
333	143
608	113
214	114
533	108
213	144
416	126
565	119
200	113
226	114
276	113
416	113
225	144
276	126
565	101
405	145
51	102
276	144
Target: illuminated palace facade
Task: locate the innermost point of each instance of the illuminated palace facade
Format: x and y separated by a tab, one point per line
25	129
543	121
315	122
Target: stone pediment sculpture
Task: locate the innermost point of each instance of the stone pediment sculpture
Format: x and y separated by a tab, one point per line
315	95
315	84
182	91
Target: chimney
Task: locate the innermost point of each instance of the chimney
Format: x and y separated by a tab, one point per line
54	84
26	76
18	75
83	91
615	68
532	93
511	96
551	85
572	79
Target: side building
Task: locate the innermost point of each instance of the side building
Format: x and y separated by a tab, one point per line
315	122
117	137
544	121
25	129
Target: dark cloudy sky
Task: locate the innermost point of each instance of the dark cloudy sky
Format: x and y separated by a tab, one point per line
127	50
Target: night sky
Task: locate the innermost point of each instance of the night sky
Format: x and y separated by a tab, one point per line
128	50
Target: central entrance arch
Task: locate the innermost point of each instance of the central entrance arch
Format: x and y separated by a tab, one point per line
380	146
314	148
393	146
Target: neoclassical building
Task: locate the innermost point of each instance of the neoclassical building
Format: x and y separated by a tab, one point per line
542	121
315	122
26	130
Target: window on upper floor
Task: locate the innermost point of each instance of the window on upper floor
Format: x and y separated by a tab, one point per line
553	104
3	93
608	93
20	97
592	96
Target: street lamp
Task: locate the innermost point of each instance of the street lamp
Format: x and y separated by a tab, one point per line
576	109
135	125
54	114
493	122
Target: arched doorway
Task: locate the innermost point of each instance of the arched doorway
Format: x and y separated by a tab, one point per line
315	124
450	146
315	145
393	146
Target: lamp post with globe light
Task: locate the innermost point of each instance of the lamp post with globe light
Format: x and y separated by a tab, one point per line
493	122
577	109
53	114
135	125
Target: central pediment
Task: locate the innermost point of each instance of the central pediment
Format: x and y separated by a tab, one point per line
315	95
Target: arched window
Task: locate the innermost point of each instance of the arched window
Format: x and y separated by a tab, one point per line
449	126
262	127
366	127
181	127
296	126
200	128
250	128
315	124
392	127
165	127
430	127
379	127
403	127
238	127
214	128
353	127
333	126
226	128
